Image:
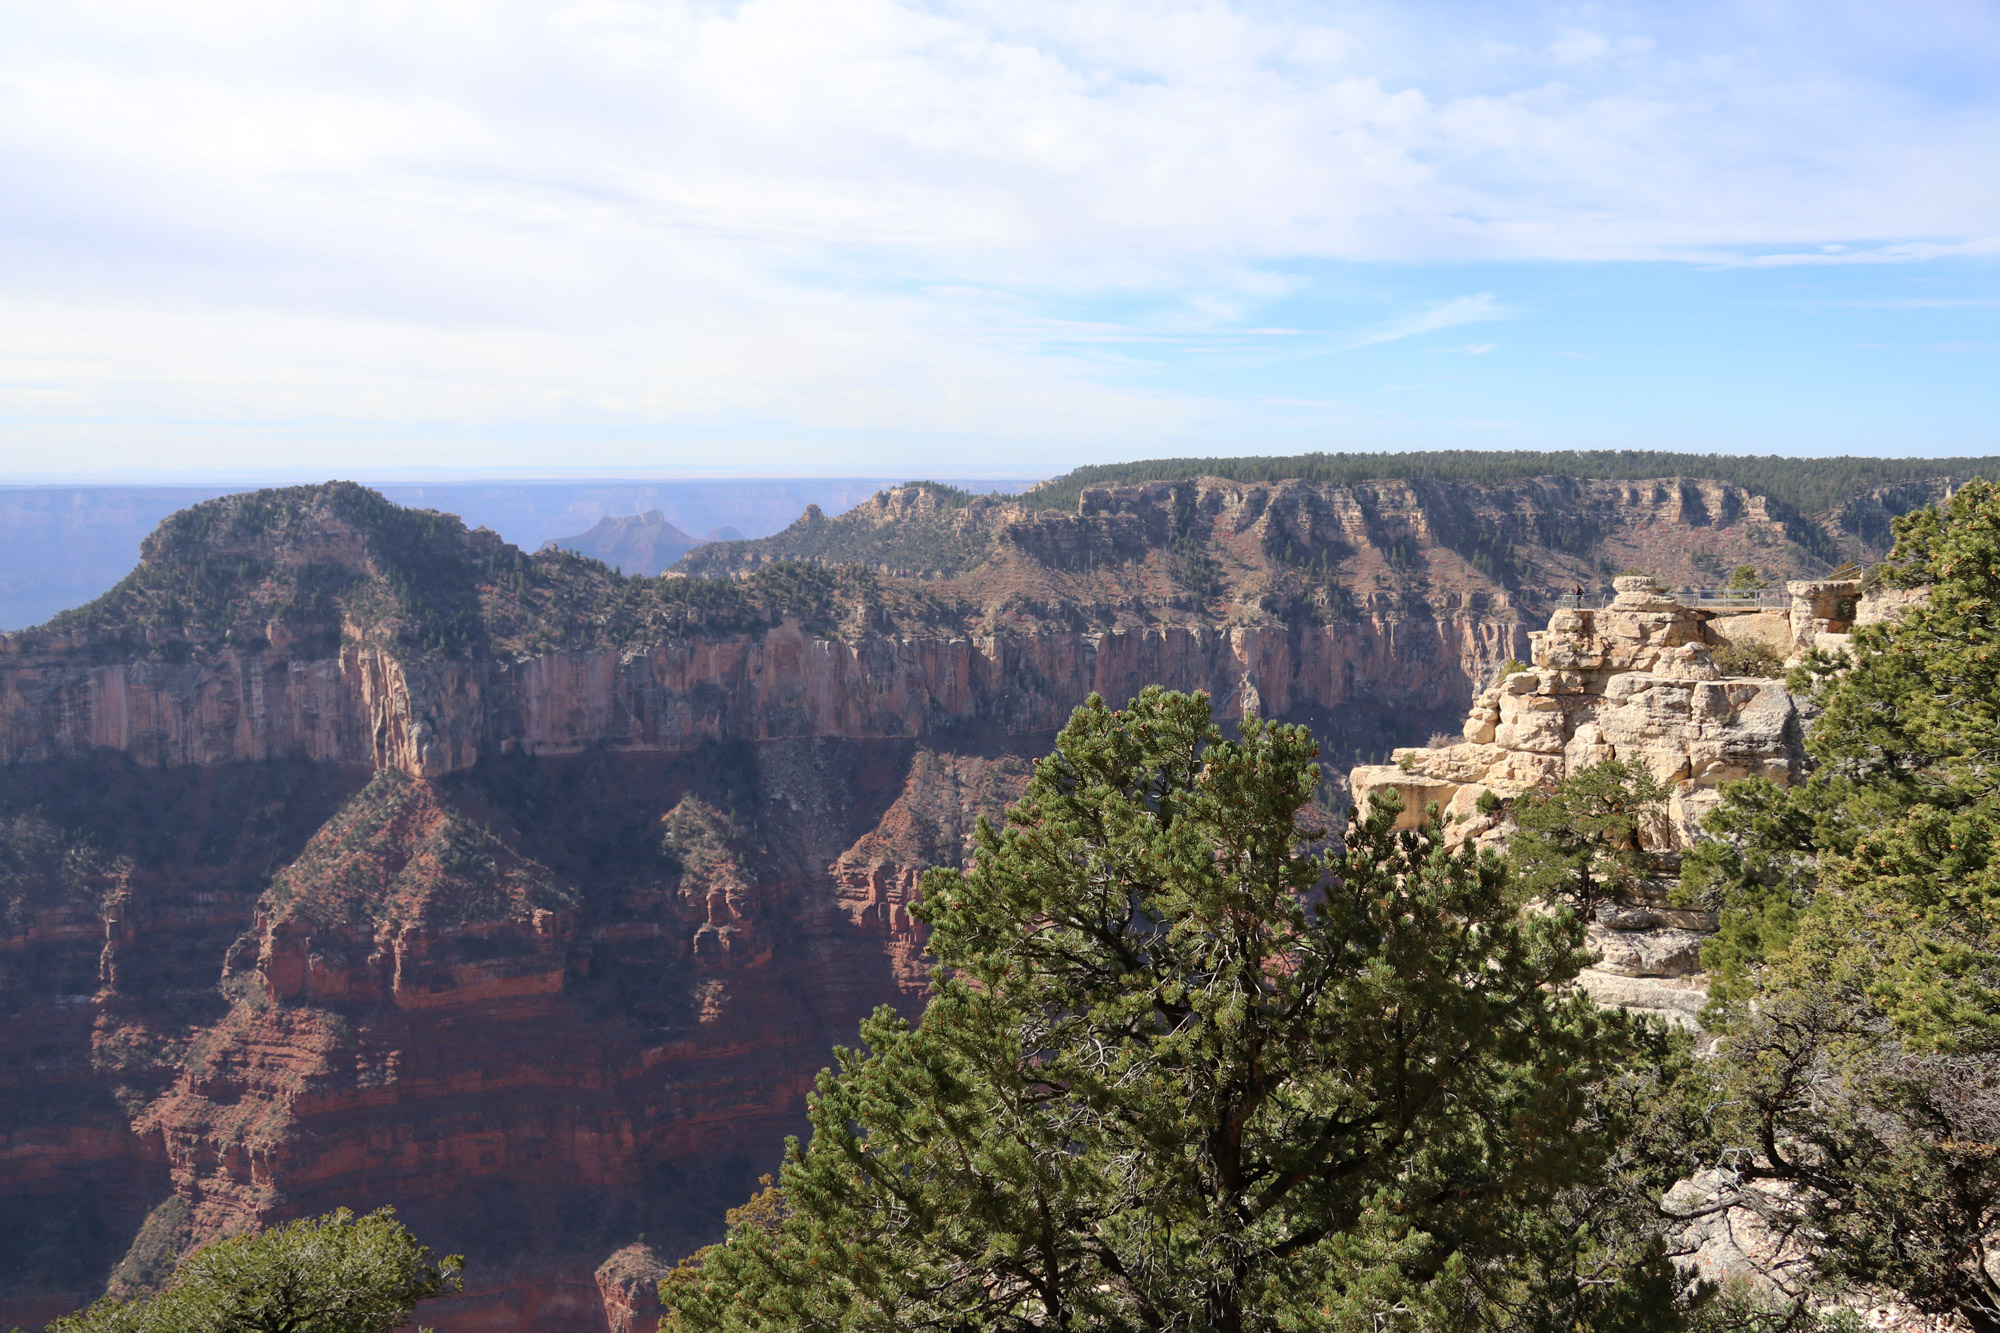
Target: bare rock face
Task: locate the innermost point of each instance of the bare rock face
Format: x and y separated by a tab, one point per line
541	1041
1825	613
931	823
1645	950
118	903
1677	1000
428	719
353	632
1634	681
1638	681
628	1283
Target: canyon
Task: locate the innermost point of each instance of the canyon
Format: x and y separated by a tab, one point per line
350	856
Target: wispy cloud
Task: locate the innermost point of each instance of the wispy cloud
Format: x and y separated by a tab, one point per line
1928	303
1908	252
1577	45
1444	315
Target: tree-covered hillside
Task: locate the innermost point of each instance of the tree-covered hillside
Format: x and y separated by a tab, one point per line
313	566
1808	485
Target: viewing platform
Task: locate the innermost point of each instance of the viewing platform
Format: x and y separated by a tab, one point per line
1706	599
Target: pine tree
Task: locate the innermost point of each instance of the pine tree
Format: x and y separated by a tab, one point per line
1580	843
1186	1066
333	1274
1860	1076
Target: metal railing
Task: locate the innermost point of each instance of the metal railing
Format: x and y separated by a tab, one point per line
1710	599
1736	599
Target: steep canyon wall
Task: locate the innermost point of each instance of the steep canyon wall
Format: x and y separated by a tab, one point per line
535	1087
433	719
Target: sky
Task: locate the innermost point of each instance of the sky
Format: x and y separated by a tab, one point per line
391	237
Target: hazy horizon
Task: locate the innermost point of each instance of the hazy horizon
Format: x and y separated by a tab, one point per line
212	481
62	545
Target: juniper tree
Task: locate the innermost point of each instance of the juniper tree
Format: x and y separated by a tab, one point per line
1187	1066
1861	943
333	1274
1580	842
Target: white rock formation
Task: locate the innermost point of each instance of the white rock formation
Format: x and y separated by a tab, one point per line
1635	681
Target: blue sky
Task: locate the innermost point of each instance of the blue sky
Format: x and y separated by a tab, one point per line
860	236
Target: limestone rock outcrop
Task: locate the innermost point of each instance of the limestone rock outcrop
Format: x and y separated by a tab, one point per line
432	718
1636	680
628	1283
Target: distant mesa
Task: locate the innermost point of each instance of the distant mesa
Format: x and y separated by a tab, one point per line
638	543
724	534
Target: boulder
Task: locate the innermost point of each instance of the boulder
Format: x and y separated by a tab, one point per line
1417	790
1678	1001
1646	953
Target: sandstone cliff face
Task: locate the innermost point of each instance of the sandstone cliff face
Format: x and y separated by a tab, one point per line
362	707
431	719
118	900
930	824
1637	680
1398	595
542	1009
787	684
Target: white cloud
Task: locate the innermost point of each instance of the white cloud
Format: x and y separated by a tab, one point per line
1908	252
845	215
1444	315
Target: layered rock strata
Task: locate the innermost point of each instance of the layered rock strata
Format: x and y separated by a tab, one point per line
436	718
323	623
931	823
541	1009
540	1042
1635	681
